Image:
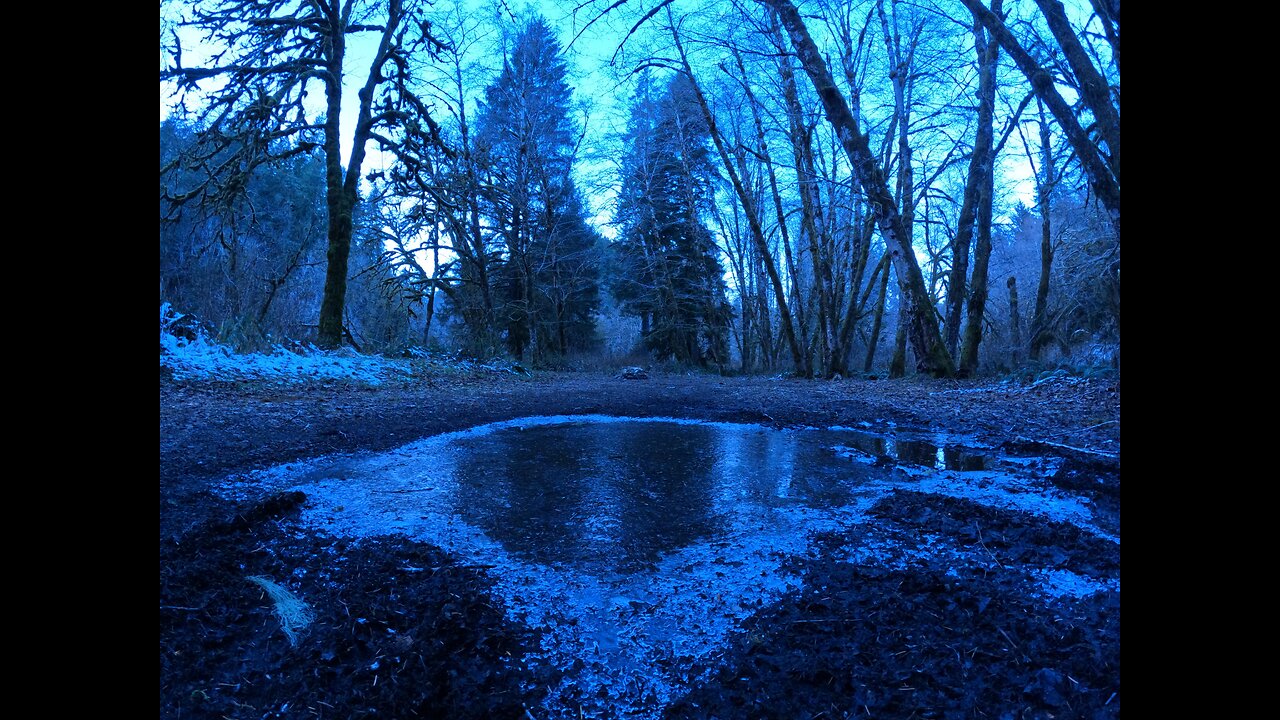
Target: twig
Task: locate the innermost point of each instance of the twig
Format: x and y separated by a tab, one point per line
1006	637
1072	447
984	547
1093	427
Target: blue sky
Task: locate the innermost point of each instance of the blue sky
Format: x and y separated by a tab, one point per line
600	99
602	90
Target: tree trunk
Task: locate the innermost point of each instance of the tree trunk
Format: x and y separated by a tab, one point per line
960	245
1015	324
517	318
562	329
431	296
342	192
339	221
875	322
982	187
806	175
1039	322
978	292
898	365
529	312
931	353
768	346
856	306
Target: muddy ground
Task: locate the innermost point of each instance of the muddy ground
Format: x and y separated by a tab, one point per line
402	630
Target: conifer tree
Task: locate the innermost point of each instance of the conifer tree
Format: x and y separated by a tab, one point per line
547	284
670	275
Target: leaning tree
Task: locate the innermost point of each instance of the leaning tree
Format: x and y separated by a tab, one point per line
922	324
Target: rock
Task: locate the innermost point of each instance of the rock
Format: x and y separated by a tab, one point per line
634	373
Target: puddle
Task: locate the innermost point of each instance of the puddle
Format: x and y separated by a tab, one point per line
609	496
638	545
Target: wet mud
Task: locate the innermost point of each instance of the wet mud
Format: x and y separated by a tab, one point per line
561	570
397	628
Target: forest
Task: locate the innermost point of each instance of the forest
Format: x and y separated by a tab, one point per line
864	187
680	359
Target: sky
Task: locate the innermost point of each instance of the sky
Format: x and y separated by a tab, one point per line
602	89
600	99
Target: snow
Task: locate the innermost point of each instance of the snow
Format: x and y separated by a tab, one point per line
1064	583
628	629
201	359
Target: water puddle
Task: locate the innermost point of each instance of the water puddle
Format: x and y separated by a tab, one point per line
930	452
639	544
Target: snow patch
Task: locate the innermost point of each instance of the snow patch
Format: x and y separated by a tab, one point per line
201	359
188	352
194	356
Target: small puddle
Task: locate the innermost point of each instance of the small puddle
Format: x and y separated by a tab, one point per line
924	452
638	545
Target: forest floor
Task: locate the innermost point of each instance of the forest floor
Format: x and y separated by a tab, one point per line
400	628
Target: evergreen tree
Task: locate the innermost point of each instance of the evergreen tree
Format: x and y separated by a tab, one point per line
548	281
669	273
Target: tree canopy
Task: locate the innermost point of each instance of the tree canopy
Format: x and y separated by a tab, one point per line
760	185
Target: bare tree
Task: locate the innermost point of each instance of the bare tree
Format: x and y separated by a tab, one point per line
979	196
931	354
981	165
1101	168
268	55
1045	180
752	212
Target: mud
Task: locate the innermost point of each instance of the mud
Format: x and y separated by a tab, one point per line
939	607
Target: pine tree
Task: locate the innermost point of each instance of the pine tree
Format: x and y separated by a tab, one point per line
669	272
548	281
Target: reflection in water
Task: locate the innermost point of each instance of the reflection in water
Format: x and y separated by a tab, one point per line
622	494
917	451
615	495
